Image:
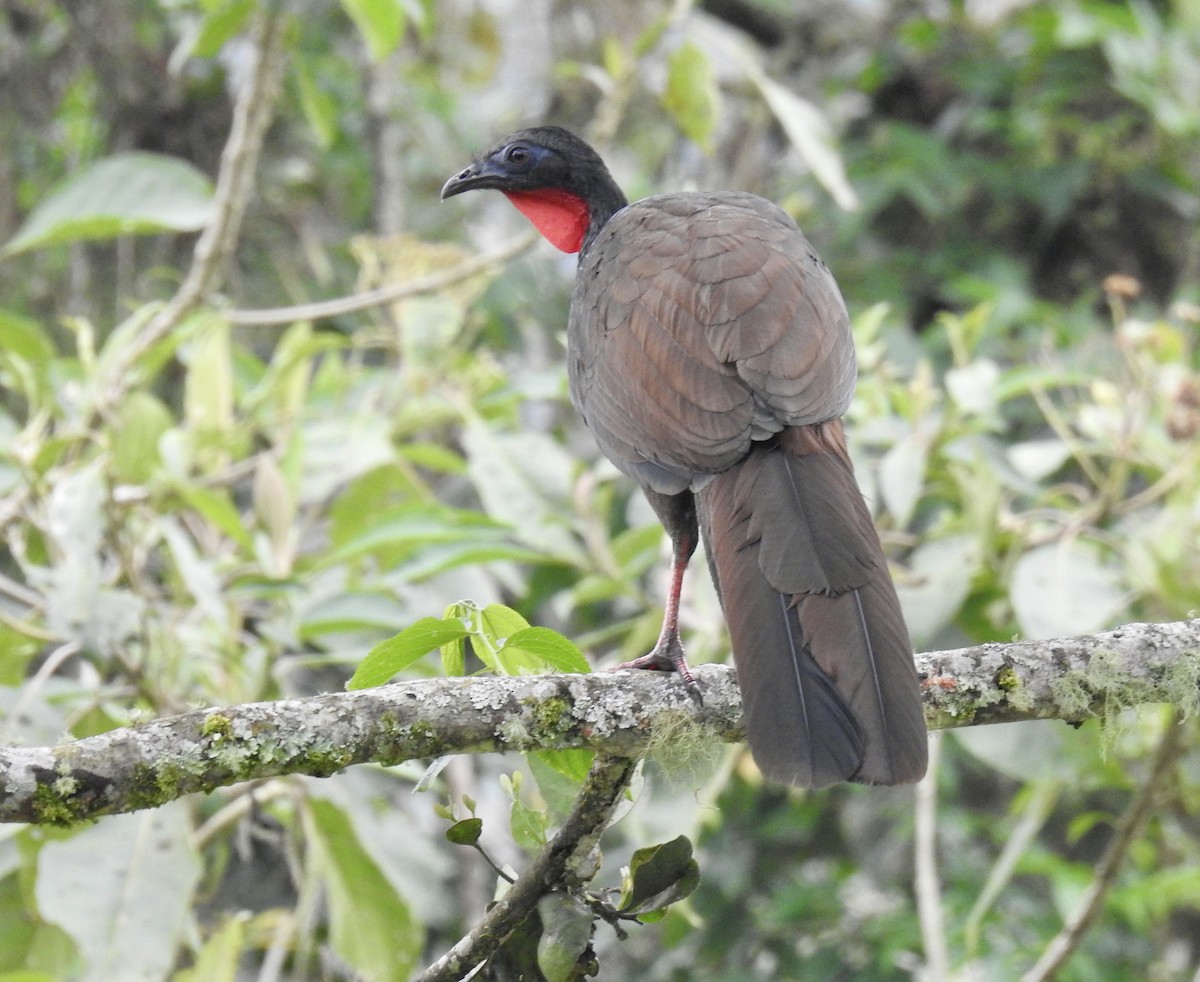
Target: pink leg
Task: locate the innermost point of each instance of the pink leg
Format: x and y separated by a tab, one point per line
667	653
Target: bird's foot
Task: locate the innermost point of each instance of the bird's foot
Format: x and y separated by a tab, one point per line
667	656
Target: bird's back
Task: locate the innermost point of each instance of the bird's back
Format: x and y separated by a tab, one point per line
714	316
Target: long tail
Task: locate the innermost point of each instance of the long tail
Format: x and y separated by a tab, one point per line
823	657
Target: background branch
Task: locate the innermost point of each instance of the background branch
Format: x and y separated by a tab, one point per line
252	114
141	767
1068	939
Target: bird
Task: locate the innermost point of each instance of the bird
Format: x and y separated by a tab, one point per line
710	354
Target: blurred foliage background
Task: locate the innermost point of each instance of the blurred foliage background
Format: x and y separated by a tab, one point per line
1007	193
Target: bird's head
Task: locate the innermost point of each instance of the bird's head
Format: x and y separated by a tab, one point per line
554	178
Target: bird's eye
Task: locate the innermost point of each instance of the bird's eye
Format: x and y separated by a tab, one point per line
517	154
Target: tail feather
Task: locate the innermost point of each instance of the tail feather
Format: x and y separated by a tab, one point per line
822	653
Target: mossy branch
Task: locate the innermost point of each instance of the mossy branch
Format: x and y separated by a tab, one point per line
618	714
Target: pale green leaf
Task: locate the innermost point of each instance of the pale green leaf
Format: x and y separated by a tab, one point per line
221	23
380	22
493	625
126	194
218	960
371	927
566	932
216	507
1066	588
524	481
352	611
974	387
902	474
319	107
138	425
811	134
208	391
25	338
1036	460
936	582
1037	750
691	93
122	889
528	824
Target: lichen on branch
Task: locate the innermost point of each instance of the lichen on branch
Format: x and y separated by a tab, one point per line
620	714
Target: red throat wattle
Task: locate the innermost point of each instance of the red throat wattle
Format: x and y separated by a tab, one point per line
560	216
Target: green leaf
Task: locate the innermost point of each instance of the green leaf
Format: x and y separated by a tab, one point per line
397	653
25	338
466	832
566	932
659	876
122	889
434	457
218	26
127	194
208	392
454	657
691	93
902	474
380	22
437	558
371	927
319	107
217	961
524	481
528	824
215	505
414	524
559	775
139	423
493	626
1037	750
540	648
274	503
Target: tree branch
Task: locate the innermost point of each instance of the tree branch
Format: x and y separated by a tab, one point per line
571	845
252	113
339	306
616	713
1068	939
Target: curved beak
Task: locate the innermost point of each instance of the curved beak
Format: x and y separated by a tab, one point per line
480	175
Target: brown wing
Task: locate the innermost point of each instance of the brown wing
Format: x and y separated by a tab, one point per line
699	323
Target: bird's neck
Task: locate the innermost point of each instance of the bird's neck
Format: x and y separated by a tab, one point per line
605	201
569	221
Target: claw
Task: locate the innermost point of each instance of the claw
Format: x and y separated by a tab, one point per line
667	656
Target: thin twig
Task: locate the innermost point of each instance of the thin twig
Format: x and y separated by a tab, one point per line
252	113
1036	810
244	799
1069	938
602	791
927	886
322	309
1062	430
53	662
